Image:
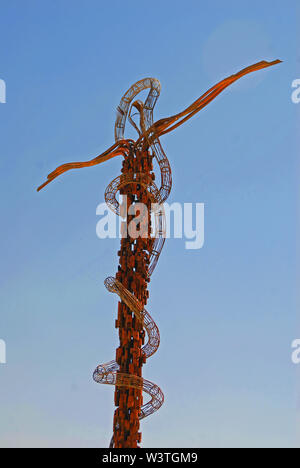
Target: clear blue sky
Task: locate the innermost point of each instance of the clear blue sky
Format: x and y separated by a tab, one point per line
227	313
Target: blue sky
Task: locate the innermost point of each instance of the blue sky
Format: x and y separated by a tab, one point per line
228	312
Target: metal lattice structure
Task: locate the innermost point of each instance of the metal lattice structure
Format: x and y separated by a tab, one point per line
139	256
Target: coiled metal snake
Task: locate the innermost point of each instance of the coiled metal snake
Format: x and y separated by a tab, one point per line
108	373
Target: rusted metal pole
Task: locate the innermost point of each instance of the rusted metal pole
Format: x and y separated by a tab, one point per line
133	275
